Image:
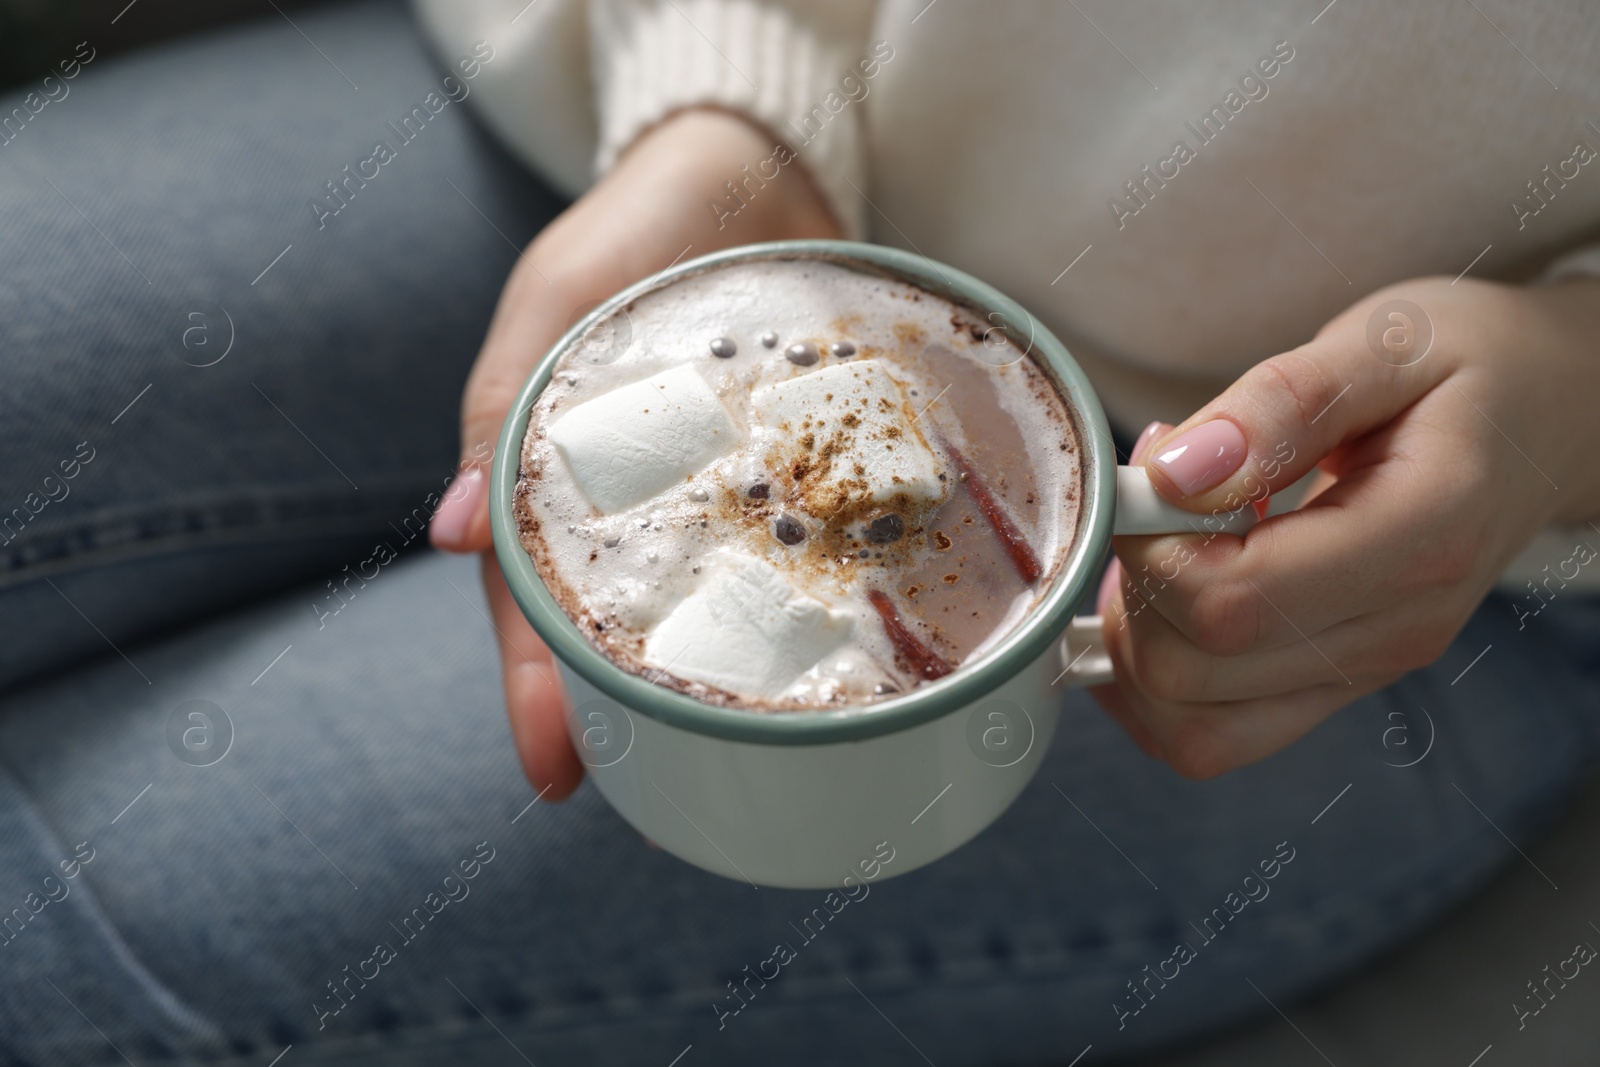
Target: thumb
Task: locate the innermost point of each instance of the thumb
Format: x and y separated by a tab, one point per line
524	326
531	315
461	521
1279	420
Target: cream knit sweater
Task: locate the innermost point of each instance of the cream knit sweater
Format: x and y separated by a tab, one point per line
1177	190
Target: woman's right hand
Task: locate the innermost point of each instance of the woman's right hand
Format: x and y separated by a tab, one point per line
652	210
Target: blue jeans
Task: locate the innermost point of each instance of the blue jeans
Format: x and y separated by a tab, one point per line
234	819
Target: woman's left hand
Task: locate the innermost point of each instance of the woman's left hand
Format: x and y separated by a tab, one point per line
1450	421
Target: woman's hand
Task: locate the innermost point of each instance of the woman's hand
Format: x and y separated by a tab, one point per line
650	211
1434	474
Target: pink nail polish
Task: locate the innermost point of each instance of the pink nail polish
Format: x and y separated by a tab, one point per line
1202	457
461	502
1144	439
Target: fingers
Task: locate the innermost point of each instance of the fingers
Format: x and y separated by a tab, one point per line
521	331
1164	664
1115	704
1391	530
535	309
1229	649
1142	445
647	214
1276	422
535	700
1108	605
461	521
526	322
1213	681
1203	740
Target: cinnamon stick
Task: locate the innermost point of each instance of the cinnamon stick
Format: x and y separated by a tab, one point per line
1017	547
924	662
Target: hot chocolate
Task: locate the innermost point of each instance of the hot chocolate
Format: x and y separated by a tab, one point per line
797	483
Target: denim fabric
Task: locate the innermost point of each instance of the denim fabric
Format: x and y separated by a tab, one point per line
372	758
159	190
222	913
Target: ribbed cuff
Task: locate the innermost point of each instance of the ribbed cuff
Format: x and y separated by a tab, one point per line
758	59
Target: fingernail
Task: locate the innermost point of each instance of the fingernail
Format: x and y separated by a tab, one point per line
1145	437
461	502
1202	457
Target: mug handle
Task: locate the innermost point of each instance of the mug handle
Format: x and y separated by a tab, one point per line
1140	510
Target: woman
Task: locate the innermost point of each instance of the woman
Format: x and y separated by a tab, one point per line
1235	294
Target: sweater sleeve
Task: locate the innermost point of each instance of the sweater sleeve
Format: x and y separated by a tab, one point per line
535	93
574	82
795	68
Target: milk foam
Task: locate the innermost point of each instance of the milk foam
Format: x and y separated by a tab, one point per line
717	523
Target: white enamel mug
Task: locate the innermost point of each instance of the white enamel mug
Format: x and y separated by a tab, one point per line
817	798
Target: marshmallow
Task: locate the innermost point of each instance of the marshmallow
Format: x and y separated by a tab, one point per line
746	630
882	439
634	442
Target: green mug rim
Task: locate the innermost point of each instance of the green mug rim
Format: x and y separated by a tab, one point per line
1017	650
